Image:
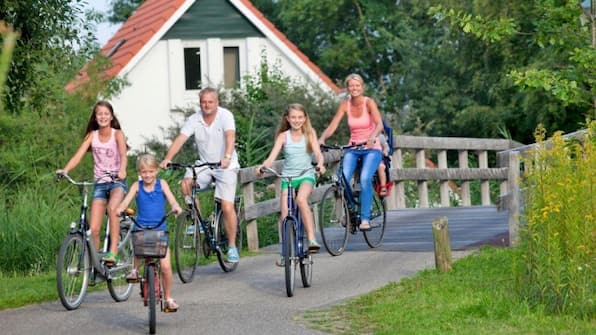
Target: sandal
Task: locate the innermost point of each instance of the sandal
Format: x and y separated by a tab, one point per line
364	226
132	276
171	306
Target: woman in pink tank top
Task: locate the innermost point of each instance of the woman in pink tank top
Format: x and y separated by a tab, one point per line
364	121
105	139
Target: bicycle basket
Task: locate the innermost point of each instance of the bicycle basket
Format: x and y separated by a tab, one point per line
150	243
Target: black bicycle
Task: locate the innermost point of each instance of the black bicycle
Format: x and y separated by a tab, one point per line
79	263
294	250
339	210
195	231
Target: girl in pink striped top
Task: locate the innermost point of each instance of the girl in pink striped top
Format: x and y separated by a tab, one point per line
105	140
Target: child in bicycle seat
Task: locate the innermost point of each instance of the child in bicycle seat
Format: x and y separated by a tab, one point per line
106	141
298	140
381	169
151	194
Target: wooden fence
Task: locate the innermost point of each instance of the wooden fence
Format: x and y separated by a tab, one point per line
422	151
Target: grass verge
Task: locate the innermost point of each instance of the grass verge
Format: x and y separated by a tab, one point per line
476	297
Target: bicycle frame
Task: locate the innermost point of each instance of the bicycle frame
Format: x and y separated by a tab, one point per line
87	260
207	225
346	218
295	219
82	228
292	223
188	240
344	184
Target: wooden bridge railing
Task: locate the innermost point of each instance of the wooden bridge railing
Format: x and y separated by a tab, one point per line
506	171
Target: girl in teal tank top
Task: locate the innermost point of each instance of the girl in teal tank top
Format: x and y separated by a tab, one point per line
298	140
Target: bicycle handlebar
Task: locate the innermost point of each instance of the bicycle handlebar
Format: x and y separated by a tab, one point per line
129	212
326	147
279	175
177	166
113	179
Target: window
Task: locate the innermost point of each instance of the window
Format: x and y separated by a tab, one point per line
192	68
231	67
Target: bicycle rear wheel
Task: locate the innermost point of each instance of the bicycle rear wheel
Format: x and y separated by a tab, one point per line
334	221
378	221
289	256
187	246
119	289
152	304
221	239
72	271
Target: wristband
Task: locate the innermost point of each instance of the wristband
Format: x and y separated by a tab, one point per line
228	157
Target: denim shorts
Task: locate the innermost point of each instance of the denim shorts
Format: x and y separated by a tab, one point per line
102	190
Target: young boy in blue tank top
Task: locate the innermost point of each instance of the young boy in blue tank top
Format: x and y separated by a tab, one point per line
298	139
151	194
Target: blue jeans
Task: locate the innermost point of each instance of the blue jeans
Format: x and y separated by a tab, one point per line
370	162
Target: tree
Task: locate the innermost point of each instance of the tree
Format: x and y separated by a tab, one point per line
431	70
122	10
48	52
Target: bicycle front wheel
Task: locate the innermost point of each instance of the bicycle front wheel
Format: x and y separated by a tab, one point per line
187	246
378	220
152	304
334	221
120	290
289	256
306	270
72	271
221	239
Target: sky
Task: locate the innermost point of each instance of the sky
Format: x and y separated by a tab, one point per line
104	30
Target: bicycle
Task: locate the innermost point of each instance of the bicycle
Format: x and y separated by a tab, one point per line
293	238
79	264
191	225
339	210
151	245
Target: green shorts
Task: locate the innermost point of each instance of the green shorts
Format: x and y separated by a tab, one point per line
296	182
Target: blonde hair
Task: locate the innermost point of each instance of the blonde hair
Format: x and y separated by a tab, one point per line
306	127
354	76
147	160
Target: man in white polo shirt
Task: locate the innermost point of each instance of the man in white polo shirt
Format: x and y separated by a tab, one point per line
214	130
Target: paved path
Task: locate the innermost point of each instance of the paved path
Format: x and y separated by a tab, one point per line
252	299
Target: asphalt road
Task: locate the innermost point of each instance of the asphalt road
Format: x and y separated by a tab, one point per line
252	300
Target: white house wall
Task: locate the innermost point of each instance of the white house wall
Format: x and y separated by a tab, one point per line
143	106
157	82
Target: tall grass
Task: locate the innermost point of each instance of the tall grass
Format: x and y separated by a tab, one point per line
557	266
33	226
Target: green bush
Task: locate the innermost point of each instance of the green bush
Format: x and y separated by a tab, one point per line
557	264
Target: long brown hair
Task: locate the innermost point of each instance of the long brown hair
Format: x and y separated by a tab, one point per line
93	125
307	129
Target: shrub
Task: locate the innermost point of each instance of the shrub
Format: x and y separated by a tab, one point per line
557	263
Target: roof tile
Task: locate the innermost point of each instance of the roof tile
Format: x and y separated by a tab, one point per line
148	19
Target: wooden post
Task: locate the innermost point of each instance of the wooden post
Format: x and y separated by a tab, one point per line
422	184
484	184
442	244
398	194
514	197
444	184
252	233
